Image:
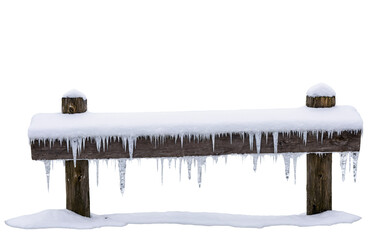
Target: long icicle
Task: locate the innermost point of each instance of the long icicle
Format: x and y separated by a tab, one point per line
47	171
343	159
275	140
122	163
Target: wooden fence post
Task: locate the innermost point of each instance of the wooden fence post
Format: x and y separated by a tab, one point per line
319	168
77	177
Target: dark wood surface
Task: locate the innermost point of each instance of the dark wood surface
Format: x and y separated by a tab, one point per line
344	142
74	105
77	187
319	183
319	169
76	174
320	102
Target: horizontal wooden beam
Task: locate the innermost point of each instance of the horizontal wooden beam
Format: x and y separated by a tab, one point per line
235	144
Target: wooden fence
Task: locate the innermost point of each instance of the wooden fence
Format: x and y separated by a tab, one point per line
319	166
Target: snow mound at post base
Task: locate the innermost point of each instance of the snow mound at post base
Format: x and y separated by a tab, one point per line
67	219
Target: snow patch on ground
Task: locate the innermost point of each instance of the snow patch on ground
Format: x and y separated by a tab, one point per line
66	219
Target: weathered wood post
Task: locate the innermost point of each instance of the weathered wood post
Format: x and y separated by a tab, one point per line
319	166
77	177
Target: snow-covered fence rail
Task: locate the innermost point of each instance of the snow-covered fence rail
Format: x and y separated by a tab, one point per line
318	129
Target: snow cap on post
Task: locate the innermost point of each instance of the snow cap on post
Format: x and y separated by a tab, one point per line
320	96
73	93
74	102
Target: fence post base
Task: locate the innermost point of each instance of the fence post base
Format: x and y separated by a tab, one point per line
319	183
77	187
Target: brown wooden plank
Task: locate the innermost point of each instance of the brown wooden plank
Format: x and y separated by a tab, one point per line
319	183
77	187
343	142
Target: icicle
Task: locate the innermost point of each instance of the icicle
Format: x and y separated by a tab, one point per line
131	141
103	144
242	136
84	139
74	147
304	135
215	159
251	135
162	170
355	156
189	163
67	144
122	163
213	141
157	165
97	171
181	139
321	138
275	139
231	137
267	136
47	171
107	142
258	141
98	143
317	136
295	157
124	142
343	159
287	164
350	159
201	162
255	158
180	168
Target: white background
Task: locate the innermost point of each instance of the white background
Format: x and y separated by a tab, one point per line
181	55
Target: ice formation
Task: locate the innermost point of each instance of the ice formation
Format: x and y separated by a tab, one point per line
122	164
287	164
47	171
198	163
352	157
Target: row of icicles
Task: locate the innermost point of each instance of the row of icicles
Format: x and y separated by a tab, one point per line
346	158
77	144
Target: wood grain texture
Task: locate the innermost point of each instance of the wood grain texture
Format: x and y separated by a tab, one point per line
343	142
319	168
319	183
77	177
77	187
74	105
320	102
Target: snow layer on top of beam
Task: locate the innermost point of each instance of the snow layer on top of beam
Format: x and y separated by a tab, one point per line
58	125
